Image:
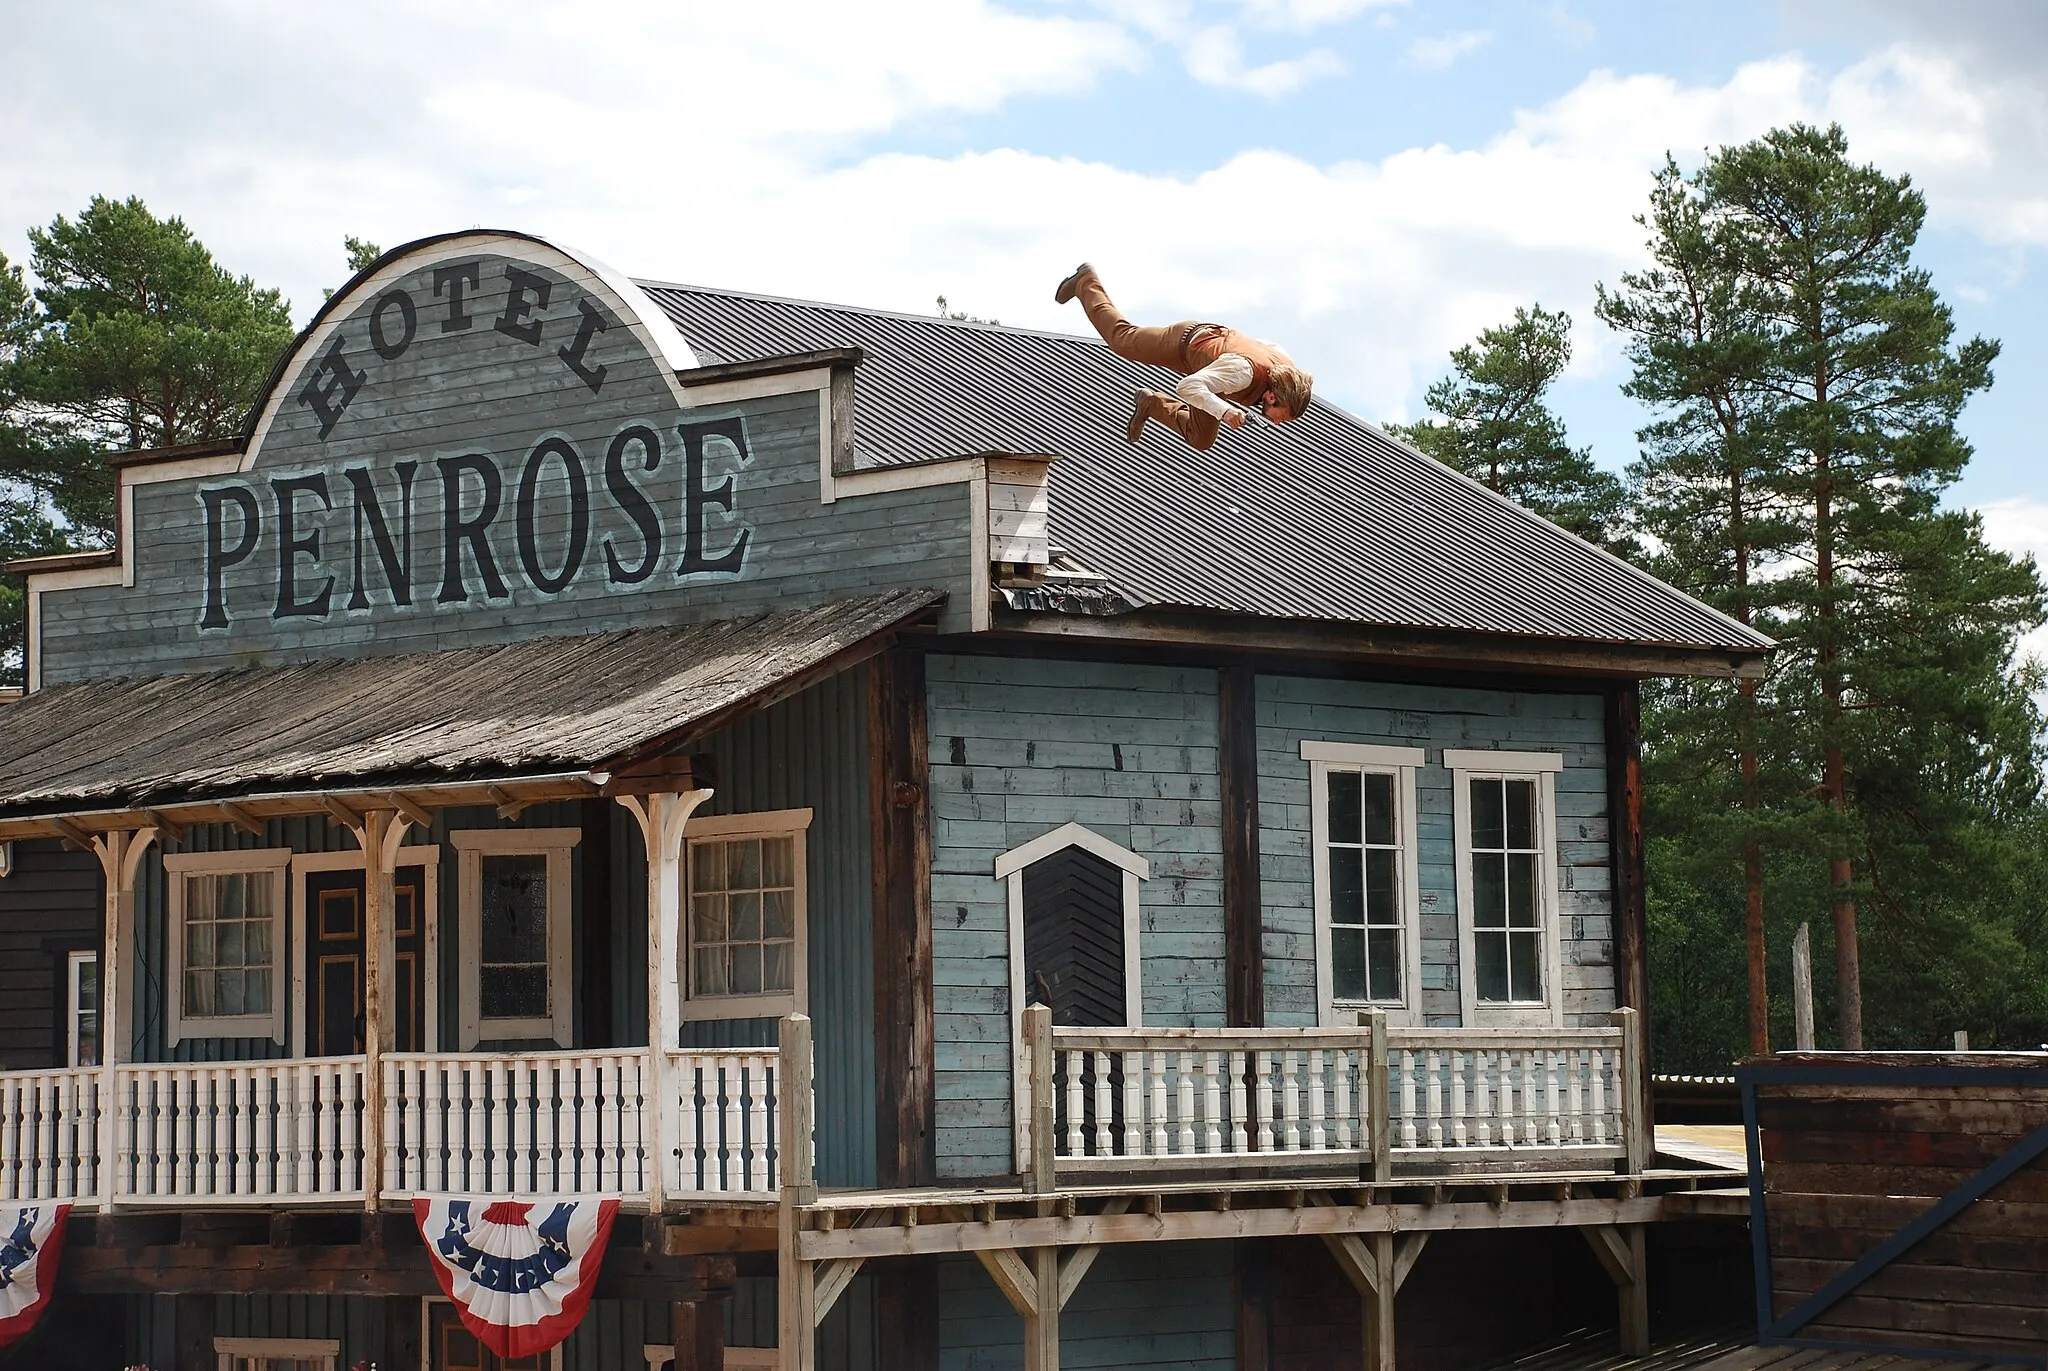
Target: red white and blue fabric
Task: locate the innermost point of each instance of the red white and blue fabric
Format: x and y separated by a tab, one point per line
519	1271
31	1245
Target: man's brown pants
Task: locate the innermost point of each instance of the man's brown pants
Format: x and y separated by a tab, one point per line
1158	347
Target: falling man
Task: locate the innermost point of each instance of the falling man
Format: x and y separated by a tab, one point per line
1220	368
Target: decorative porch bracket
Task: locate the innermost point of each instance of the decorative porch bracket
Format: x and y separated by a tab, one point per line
120	854
662	815
1378	1265
1622	1250
1038	1282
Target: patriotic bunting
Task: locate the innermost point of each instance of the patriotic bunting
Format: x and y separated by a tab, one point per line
519	1271
31	1244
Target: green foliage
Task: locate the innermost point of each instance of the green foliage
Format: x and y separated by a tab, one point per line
132	338
1497	430
945	311
1806	383
362	255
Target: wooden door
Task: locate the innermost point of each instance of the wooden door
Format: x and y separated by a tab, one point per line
1074	940
451	1347
335	955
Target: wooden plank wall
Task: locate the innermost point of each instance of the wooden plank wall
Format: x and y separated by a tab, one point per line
1019	747
1145	1307
50	905
1432	717
1846	1166
478	391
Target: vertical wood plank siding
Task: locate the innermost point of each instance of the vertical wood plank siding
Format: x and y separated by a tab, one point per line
1152	1305
48	906
1432	717
1019	747
810	751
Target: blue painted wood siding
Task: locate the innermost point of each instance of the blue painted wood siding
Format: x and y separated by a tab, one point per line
1017	749
1152	1305
1291	709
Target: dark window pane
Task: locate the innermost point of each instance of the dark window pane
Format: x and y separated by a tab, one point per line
1379	887
778	861
1527	979
778	968
199	994
227	942
256	992
1384	946
1521	889
1347	886
88	985
1490	976
708	977
514	992
746	917
1521	798
743	865
230	992
746	969
515	908
1487	826
1347	963
1377	819
1489	890
1344	804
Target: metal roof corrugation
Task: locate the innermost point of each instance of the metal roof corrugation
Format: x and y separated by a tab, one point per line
1324	518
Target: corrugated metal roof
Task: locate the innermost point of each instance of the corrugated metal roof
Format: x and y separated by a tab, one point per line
1324	518
527	708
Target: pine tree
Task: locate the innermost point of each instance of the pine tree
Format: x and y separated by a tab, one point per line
1497	429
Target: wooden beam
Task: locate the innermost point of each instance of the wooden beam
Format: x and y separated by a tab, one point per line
1188	1225
1624	745
676	772
697	1334
899	812
343	815
1042	1329
1624	1254
1405	1258
510	806
1379	1308
410	809
73	833
830	1280
1074	1266
240	817
163	825
1612	1250
1017	1281
1243	922
1355	1258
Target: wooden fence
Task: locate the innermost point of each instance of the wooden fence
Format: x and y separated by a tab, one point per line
1900	1201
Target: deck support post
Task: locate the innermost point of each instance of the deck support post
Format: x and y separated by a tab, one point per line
120	853
795	1283
1378	1266
1623	1251
662	816
1042	1326
697	1334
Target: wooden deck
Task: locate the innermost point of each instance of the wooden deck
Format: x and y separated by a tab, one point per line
1726	1351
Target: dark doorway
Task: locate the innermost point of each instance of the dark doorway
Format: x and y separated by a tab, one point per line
334	961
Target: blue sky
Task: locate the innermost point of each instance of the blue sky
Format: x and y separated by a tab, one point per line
1367	181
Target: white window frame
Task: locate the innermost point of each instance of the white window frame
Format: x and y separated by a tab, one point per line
1010	871
73	961
1465	767
178	1025
325	1352
471	846
305	864
768	823
1401	763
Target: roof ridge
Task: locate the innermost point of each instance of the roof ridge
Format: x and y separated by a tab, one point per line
973	325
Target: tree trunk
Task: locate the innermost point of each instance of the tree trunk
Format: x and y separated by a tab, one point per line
1834	774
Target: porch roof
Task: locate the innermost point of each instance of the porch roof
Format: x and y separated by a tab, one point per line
573	707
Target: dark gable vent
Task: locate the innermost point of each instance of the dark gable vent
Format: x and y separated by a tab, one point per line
1074	939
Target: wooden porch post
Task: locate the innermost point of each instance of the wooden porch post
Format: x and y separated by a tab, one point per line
379	833
796	1290
120	853
1379	1307
661	816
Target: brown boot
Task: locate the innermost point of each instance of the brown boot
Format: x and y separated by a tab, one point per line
1146	404
1065	290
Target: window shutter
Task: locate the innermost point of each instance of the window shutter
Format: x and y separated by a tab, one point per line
1074	939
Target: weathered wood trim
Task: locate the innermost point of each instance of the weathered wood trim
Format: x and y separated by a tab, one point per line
598	935
1369	642
900	821
1244	951
1201	1225
832	358
1624	738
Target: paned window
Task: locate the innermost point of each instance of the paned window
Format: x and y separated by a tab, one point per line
1507	885
227	935
514	909
745	917
1363	828
82	1009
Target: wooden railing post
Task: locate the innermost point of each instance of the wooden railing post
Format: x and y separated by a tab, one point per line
1635	1126
1379	1122
796	1303
1041	1108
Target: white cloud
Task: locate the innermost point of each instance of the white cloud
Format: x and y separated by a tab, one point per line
1215	57
695	143
2020	526
1308	14
1436	54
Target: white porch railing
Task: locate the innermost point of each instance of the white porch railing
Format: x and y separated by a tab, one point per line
1430	1099
292	1131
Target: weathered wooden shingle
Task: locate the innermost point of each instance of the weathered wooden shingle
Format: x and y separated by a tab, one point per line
526	708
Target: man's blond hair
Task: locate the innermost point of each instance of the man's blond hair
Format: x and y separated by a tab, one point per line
1290	387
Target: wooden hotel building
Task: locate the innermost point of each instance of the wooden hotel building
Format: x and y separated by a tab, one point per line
980	894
